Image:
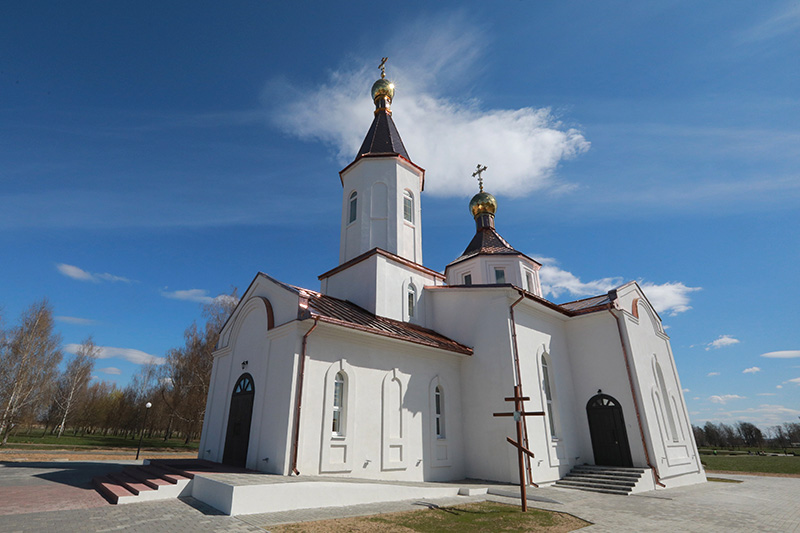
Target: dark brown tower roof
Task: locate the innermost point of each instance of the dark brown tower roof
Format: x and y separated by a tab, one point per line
382	138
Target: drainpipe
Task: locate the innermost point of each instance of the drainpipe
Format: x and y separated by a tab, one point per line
633	395
519	382
300	380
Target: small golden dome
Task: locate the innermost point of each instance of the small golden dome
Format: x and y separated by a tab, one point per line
483	202
382	88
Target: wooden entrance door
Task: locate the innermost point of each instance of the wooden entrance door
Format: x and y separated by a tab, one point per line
238	435
607	428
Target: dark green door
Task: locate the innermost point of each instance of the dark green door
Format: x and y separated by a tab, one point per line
238	435
607	428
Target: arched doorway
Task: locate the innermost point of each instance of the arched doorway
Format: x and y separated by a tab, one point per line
607	428
238	435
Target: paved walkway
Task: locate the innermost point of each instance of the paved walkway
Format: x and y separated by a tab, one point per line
57	497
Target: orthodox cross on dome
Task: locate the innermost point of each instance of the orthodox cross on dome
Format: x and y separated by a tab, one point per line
478	173
518	414
382	66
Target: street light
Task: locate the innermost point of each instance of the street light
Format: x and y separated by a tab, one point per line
147	406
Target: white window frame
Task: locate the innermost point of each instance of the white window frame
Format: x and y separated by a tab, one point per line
547	387
339	405
411	300
408	206
438	403
501	271
352	213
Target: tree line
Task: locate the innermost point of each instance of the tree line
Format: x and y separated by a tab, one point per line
745	434
37	394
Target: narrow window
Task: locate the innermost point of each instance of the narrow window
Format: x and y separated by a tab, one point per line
412	300
529	279
408	206
353	207
499	275
548	395
338	404
439	410
467	279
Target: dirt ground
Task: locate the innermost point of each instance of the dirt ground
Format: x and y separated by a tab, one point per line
12	455
764	474
436	519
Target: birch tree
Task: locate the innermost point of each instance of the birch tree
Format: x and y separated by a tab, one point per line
74	381
28	359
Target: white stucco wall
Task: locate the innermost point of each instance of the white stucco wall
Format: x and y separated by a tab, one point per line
368	448
380	220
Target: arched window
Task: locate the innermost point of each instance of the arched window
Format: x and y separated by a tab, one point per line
408	206
353	207
339	404
547	385
438	402
411	296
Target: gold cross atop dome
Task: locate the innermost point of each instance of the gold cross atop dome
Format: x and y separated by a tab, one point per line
382	66
480	169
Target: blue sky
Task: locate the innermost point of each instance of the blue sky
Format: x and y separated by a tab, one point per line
153	156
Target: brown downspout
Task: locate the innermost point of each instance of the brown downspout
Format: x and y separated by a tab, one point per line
633	395
300	380
519	382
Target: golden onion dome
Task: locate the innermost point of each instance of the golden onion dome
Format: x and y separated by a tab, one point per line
483	202
382	88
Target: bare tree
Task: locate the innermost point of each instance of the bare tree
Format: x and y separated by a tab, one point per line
29	360
74	380
187	373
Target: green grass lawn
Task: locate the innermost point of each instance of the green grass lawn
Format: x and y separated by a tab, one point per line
68	441
753	463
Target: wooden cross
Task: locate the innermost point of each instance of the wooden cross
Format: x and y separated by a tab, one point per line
519	412
382	66
480	170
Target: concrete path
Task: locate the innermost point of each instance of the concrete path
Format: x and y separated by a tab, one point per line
58	497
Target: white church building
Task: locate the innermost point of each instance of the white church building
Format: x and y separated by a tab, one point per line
393	370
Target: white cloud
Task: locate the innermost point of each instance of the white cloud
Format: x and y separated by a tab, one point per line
110	370
556	281
787	20
751	370
711	374
778	386
670	297
767	394
721	341
786	354
198	295
686	390
129	354
725	398
75	320
795	381
79	274
443	130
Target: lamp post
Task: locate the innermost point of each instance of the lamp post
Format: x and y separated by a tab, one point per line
147	406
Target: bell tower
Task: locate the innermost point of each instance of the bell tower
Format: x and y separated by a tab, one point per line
381	189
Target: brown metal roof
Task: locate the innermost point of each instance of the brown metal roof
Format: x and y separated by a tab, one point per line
388	255
488	242
347	314
588	305
382	138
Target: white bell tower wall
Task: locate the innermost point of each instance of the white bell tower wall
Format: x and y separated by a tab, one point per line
376	193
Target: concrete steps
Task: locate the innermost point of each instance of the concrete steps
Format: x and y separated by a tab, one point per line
142	483
607	479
